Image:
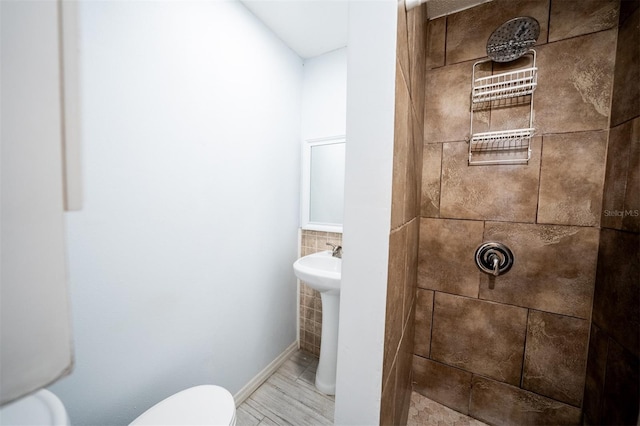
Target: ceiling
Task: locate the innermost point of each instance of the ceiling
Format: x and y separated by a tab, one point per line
437	8
313	27
309	27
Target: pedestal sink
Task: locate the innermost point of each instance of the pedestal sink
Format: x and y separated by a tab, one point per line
321	271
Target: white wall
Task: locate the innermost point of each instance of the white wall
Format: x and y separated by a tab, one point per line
324	95
367	217
181	261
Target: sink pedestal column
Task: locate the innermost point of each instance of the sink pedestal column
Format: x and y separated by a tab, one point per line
326	373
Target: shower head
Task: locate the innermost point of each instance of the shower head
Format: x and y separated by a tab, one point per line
513	39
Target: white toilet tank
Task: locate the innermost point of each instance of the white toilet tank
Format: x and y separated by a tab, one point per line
200	405
42	408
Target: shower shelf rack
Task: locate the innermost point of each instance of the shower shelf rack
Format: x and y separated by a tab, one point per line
504	146
511	84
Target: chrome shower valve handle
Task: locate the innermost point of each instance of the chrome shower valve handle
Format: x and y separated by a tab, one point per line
494	258
496	266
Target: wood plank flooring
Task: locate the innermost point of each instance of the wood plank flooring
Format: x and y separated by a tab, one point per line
288	397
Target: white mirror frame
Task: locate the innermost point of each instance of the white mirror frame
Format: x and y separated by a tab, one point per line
306	184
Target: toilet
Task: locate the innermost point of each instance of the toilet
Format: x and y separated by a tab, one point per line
199	405
40	408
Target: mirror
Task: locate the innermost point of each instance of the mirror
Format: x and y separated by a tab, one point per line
323	184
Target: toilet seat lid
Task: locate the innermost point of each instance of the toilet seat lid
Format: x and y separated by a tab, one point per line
41	408
199	405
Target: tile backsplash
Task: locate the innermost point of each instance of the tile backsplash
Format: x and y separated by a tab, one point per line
310	302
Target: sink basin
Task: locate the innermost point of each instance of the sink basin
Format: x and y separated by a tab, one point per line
323	272
320	271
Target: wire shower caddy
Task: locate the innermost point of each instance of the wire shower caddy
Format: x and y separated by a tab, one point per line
503	146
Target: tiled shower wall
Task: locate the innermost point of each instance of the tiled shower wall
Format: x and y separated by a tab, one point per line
611	392
310	303
403	239
513	349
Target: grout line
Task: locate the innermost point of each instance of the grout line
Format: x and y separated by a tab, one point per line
441	175
470	393
604	379
433	311
482	240
549	21
524	350
446	36
502	303
539	178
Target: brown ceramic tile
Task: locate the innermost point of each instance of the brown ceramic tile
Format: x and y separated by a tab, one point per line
417	22
469	30
555	357
424	411
553	269
626	90
387	403
431	165
482	111
424	313
446	255
400	149
571	178
402	42
575	77
596	367
304	239
395	287
571	18
411	271
307	313
627	7
618	153
411	201
620	402
417	155
631	218
403	399
404	373
309	344
447	106
510	113
409	332
446	385
481	337
436	37
495	192
500	404
303	342
615	304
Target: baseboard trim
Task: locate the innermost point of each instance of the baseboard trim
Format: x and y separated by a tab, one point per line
262	376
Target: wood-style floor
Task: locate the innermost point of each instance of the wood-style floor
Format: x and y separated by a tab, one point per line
288	397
